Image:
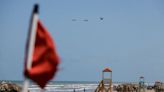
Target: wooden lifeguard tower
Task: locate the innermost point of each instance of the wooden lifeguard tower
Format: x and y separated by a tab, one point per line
106	83
141	84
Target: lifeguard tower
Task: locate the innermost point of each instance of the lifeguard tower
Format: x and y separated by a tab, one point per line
141	84
106	84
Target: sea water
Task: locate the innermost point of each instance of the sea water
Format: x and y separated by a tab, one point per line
63	86
67	86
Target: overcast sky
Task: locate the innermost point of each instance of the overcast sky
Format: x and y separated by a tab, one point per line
129	39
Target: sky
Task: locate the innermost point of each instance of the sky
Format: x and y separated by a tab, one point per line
129	40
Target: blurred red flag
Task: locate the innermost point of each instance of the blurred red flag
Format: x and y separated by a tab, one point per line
45	59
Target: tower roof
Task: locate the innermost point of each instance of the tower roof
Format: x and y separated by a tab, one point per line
107	70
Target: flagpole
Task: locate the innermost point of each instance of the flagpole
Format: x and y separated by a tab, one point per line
32	36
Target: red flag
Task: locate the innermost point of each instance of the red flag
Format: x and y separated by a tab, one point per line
45	59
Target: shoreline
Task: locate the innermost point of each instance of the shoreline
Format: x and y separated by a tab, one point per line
67	87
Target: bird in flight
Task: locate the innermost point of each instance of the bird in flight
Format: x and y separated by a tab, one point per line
73	19
101	18
86	20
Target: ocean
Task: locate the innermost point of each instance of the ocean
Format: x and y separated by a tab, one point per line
68	86
63	86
